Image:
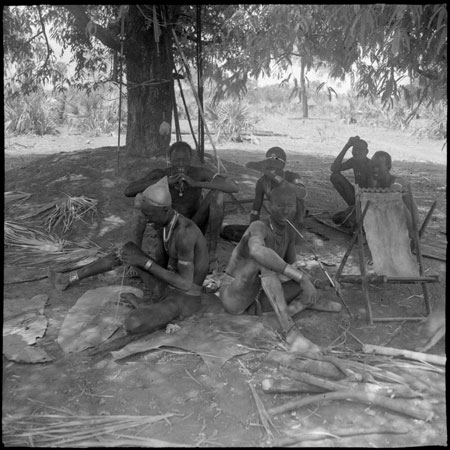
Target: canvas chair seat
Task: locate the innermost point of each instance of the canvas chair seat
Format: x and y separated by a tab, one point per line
389	228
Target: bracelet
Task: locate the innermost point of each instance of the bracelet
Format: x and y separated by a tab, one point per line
148	264
292	273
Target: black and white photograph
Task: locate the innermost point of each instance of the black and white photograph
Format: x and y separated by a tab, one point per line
225	225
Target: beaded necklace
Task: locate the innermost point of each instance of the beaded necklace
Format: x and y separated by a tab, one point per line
167	236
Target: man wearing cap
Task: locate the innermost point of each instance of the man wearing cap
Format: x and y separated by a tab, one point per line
183	277
274	176
265	252
186	183
360	164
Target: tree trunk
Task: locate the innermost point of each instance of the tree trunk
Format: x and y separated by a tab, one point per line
149	85
303	89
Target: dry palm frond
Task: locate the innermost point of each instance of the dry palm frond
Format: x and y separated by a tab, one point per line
52	430
33	211
16	196
28	247
69	210
26	238
61	212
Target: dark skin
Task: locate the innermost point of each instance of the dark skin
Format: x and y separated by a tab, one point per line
274	170
187	252
186	183
382	178
360	163
260	247
193	178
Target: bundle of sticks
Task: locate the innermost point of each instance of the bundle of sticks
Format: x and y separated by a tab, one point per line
402	387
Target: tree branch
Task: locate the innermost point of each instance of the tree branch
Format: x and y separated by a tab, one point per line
49	50
103	35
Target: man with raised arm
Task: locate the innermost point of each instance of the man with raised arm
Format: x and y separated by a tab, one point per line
360	164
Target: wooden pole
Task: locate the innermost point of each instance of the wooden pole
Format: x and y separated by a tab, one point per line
427	219
362	263
352	242
187	111
197	99
122	38
201	130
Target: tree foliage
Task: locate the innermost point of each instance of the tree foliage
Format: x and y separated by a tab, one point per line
379	43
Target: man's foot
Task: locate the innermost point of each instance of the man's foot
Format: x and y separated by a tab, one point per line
131	272
213	264
326	305
298	343
295	307
59	281
131	299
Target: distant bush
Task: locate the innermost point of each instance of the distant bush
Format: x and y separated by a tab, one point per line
230	119
30	114
96	112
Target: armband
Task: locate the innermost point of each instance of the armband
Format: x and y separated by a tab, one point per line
278	179
292	273
148	264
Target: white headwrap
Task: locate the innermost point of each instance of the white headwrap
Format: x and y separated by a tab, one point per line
157	194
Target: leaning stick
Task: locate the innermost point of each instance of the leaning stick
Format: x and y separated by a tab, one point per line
265	418
418	356
414	408
316	257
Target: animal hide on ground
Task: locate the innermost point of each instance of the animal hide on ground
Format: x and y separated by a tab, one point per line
94	318
216	337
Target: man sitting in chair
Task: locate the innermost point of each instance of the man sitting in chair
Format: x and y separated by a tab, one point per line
381	164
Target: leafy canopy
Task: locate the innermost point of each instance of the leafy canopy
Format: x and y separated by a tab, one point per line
379	43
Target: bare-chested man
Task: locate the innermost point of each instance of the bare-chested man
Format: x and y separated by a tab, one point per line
360	164
183	277
186	183
381	164
274	176
265	251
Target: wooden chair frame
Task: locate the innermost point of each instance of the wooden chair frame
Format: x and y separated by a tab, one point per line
364	279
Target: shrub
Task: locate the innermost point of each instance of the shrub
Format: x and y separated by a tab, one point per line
30	114
230	119
96	112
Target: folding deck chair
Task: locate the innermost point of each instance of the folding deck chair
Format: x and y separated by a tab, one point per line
381	218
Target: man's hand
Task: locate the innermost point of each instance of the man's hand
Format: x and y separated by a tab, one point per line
308	291
133	255
351	142
182	177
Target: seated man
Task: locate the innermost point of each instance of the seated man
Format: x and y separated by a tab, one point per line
186	183
274	176
267	250
360	164
186	249
381	164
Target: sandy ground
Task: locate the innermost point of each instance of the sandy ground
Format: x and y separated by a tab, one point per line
220	410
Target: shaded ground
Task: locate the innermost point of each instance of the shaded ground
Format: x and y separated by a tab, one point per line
216	411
